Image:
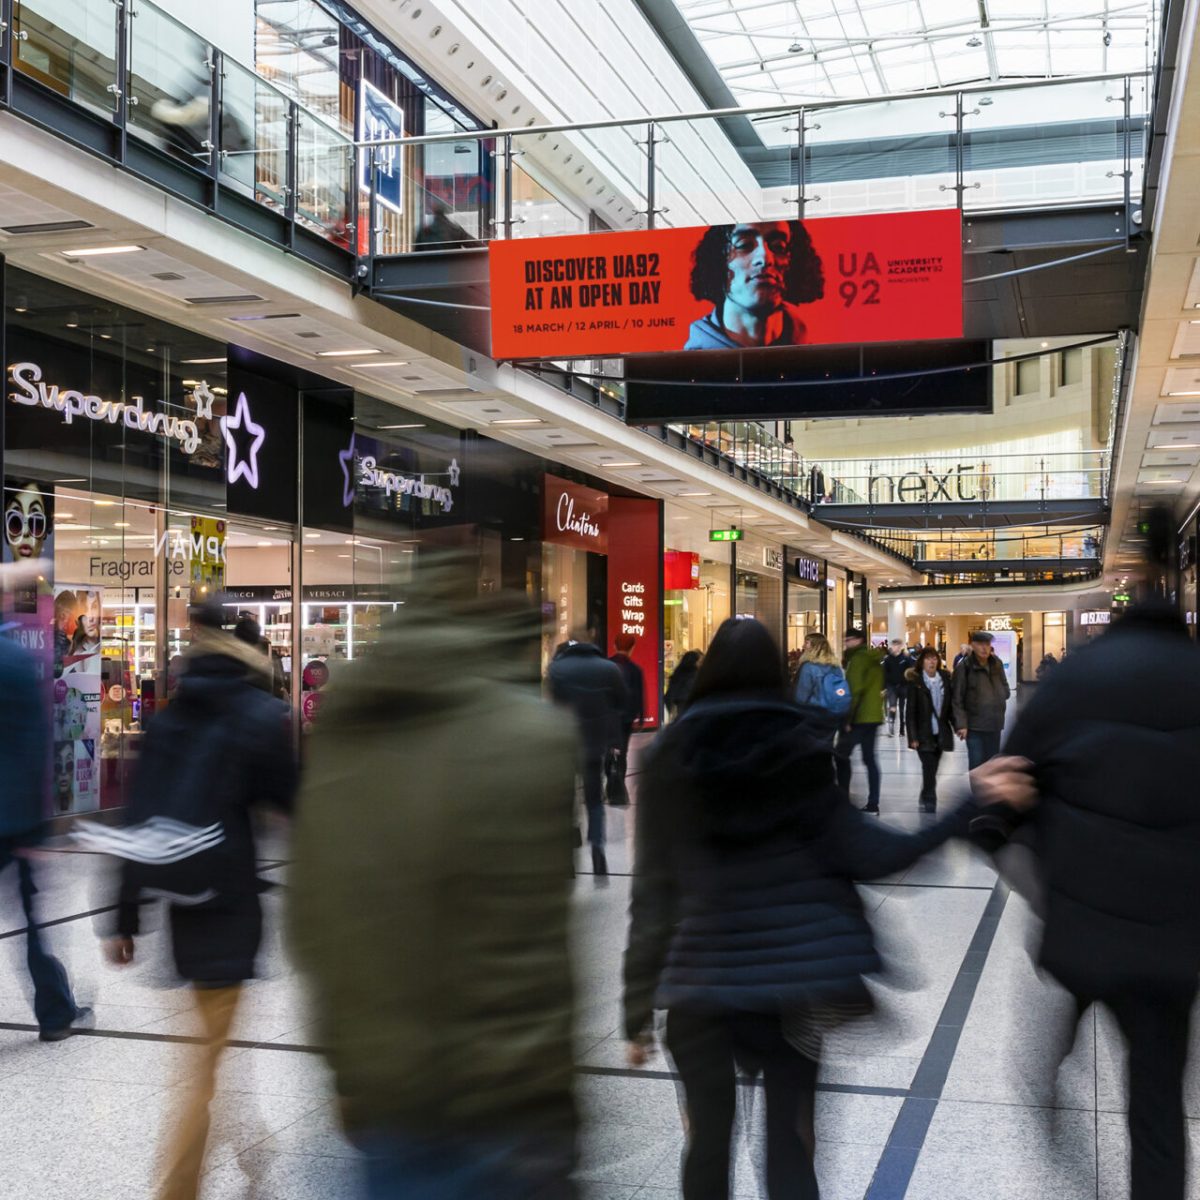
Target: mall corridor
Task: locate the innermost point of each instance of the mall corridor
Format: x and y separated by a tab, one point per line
944	1094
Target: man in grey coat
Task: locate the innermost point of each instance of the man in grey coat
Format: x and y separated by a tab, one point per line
980	696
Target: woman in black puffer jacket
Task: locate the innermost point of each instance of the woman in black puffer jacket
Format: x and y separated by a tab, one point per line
745	922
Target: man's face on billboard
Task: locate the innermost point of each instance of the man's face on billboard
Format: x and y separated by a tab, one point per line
759	255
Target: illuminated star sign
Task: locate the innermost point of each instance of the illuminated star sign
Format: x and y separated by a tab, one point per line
346	458
204	398
238	466
455	472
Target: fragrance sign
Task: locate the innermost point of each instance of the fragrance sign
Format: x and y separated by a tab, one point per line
574	515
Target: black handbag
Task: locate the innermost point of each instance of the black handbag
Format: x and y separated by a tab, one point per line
614	779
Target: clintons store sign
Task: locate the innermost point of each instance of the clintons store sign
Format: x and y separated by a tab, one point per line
889	277
574	515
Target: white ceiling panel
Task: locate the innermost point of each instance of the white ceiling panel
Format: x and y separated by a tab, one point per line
1171	458
1173	436
1180	411
1181	381
1187	339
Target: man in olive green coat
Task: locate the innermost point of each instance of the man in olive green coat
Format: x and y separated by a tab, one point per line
429	905
864	674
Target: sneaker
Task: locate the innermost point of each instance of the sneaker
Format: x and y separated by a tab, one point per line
84	1019
870	808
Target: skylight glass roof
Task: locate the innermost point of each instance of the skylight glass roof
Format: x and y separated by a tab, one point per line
778	51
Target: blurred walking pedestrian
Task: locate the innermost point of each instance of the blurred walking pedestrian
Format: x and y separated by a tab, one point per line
929	719
745	924
429	904
24	767
1108	749
679	686
633	717
593	688
864	673
896	666
218	750
981	694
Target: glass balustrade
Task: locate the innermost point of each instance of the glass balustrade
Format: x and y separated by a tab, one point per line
324	179
170	84
70	46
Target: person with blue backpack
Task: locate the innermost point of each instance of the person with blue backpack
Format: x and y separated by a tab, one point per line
820	681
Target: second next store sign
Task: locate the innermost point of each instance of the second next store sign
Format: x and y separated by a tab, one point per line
574	515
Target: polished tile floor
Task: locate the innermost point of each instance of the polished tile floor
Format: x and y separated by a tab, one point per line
948	1093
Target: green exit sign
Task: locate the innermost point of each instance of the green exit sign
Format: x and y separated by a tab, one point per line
1143	527
1121	597
725	535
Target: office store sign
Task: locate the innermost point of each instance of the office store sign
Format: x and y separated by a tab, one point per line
32	390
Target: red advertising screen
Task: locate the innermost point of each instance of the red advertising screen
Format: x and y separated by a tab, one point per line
890	277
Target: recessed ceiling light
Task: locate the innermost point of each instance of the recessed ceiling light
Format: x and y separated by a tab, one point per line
121	524
312	535
411	425
98	251
391	362
202	362
624	464
519	421
104	503
264	543
682	494
71	525
347	353
1183	393
70	481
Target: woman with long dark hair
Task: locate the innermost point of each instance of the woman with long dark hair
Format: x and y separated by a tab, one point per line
745	922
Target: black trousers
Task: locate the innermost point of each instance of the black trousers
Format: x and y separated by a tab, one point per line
1156	1029
862	736
707	1049
930	760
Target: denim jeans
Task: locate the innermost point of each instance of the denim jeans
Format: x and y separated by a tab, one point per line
981	746
862	736
525	1167
53	1004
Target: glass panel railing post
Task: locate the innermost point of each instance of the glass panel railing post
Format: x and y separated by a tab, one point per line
292	167
211	145
120	88
652	209
506	222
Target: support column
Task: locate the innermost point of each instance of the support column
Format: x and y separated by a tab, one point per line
897	623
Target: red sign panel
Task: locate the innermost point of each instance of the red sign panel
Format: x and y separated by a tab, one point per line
634	598
890	277
681	570
574	515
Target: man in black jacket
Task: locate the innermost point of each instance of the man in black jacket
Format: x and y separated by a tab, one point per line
584	681
1109	750
895	670
634	712
222	736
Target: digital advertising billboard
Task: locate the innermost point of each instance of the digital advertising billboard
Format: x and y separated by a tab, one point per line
891	277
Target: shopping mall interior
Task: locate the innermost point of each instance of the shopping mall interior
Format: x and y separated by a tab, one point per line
874	321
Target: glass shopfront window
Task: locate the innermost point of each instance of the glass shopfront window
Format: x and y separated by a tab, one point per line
693	614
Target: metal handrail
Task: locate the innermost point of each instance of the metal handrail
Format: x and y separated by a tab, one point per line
782	110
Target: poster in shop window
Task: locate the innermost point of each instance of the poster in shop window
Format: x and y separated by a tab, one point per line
883	277
77	691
